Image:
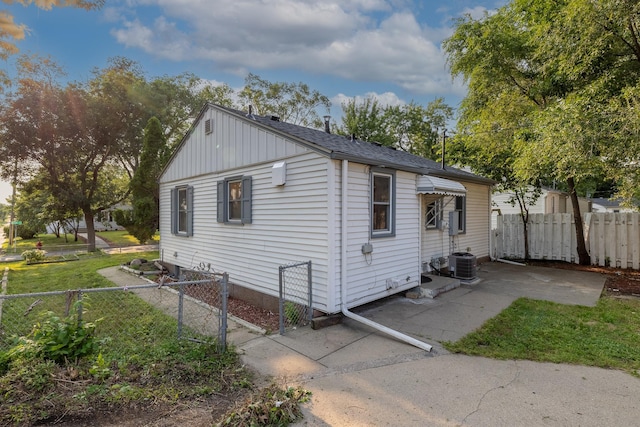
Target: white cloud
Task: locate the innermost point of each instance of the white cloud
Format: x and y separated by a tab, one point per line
384	99
359	40
476	12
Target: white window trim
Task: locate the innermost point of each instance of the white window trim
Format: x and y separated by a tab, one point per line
391	230
436	222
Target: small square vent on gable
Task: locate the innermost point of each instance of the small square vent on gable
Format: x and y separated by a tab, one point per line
208	126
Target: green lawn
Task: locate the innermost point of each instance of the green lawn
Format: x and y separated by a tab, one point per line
605	335
52	243
122	238
49	242
62	276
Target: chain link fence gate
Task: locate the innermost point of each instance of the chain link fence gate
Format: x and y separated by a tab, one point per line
295	303
193	308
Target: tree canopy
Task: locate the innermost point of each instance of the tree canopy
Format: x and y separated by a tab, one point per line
295	103
409	127
549	82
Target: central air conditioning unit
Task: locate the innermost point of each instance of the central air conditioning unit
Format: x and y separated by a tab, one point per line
462	265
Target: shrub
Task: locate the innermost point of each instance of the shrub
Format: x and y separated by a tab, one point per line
34	255
57	339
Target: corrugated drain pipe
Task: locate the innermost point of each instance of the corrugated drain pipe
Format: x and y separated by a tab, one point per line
343	274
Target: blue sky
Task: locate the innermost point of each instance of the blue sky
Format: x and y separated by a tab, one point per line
390	49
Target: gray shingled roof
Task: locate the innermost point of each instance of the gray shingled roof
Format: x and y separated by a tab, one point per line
341	147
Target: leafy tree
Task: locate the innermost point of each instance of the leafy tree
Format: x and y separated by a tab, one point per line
365	121
39	207
409	127
142	220
501	57
69	136
416	129
292	102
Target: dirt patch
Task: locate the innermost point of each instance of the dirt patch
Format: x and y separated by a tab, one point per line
619	282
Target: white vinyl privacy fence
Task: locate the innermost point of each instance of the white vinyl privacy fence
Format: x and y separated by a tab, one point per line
613	239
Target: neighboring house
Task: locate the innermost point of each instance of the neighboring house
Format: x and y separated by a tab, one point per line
601	204
247	194
102	221
550	201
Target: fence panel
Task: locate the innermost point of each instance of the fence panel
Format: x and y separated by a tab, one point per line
295	295
612	239
139	314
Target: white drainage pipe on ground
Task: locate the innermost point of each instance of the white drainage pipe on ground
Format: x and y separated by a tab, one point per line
506	261
343	275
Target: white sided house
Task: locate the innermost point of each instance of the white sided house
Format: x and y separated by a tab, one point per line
550	201
247	194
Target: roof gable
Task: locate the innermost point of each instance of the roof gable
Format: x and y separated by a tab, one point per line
338	147
346	148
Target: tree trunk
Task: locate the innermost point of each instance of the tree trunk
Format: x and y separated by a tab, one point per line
524	214
583	254
91	232
526	239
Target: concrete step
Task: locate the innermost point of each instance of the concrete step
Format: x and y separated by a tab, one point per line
438	285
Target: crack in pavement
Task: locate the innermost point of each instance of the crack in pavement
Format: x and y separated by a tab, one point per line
502	386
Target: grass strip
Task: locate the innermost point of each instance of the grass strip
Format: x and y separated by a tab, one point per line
605	335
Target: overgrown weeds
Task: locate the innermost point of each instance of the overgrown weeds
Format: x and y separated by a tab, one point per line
270	406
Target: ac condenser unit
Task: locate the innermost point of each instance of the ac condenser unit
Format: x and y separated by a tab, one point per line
462	265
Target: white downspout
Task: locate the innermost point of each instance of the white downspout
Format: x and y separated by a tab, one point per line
343	274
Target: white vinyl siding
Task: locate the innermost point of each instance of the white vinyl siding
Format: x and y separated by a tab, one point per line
475	239
394	258
233	143
289	224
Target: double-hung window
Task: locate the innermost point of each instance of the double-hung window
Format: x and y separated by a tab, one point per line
461	210
234	200
382	204
182	211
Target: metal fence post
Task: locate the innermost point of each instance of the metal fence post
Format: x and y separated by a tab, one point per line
225	294
79	307
310	314
281	299
180	308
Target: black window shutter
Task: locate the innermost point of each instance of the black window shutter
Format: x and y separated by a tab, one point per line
220	205
246	200
174	211
190	211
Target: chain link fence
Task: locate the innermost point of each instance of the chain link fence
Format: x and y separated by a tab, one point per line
295	295
193	308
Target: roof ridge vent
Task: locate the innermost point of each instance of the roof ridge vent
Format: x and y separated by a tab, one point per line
275	118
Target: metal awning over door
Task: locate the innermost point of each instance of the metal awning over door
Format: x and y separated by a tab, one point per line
434	185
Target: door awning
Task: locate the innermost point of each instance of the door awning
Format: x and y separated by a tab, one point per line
434	185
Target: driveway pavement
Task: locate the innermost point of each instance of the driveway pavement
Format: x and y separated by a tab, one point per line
361	377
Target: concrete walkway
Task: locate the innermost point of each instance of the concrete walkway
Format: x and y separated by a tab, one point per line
361	377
